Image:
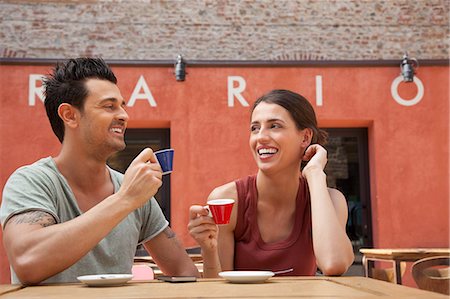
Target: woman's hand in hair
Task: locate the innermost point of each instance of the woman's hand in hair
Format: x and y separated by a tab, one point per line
316	156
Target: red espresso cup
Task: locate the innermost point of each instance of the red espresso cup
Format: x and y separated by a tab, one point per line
220	209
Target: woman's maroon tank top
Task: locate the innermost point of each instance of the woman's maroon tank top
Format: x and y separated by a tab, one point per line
252	253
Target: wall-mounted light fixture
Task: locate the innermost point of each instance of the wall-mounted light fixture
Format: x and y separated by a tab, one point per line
180	68
408	68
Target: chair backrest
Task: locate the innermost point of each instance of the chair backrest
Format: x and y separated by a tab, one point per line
429	274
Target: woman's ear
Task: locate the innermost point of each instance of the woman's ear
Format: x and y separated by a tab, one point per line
306	137
68	114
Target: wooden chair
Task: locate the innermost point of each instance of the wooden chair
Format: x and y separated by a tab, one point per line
432	274
387	274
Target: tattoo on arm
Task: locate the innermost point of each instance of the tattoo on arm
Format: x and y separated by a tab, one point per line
170	234
34	217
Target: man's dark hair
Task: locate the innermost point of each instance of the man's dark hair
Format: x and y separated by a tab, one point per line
66	84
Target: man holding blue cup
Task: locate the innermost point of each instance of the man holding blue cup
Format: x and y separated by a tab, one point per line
72	215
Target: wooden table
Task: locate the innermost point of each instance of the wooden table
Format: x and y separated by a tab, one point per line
276	287
396	256
7	288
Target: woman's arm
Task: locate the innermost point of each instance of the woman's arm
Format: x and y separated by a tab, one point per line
332	247
216	242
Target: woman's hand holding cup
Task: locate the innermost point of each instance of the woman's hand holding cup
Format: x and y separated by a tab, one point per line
203	221
202	227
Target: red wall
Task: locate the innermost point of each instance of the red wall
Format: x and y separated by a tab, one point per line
408	145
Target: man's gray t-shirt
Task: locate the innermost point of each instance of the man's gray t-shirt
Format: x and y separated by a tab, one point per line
42	187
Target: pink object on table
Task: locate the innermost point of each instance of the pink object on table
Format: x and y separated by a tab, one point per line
142	272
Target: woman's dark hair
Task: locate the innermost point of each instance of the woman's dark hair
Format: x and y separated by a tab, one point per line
300	109
66	84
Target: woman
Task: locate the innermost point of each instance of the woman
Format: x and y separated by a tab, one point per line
284	219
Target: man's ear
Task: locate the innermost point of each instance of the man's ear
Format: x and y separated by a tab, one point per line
306	137
69	114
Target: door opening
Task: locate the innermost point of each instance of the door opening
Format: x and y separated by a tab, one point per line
348	171
137	140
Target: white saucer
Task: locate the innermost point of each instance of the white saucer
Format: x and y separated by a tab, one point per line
101	280
246	276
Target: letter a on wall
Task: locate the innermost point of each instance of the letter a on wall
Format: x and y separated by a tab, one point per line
146	95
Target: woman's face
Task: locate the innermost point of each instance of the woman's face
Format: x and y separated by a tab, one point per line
275	141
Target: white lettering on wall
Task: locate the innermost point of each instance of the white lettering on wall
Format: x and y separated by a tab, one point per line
319	99
34	90
236	85
399	99
235	92
147	95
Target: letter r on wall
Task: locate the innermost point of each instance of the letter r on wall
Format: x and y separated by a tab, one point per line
235	92
34	90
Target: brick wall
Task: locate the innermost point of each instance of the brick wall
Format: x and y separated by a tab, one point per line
226	30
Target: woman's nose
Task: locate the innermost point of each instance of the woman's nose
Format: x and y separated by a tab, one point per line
263	134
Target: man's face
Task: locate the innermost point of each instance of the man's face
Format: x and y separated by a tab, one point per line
103	118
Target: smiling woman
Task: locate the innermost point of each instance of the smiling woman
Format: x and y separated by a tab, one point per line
310	218
271	130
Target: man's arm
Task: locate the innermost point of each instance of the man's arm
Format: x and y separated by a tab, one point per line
169	254
38	248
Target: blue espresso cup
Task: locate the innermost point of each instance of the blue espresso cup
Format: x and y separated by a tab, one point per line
165	159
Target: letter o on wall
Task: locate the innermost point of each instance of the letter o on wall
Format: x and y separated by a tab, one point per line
399	99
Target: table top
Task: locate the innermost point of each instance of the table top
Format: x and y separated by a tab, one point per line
404	254
6	288
276	287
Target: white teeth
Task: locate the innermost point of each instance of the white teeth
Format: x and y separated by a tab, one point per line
116	130
263	151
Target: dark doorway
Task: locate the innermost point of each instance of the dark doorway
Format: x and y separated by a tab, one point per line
137	140
348	171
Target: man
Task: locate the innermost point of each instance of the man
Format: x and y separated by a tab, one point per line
72	215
